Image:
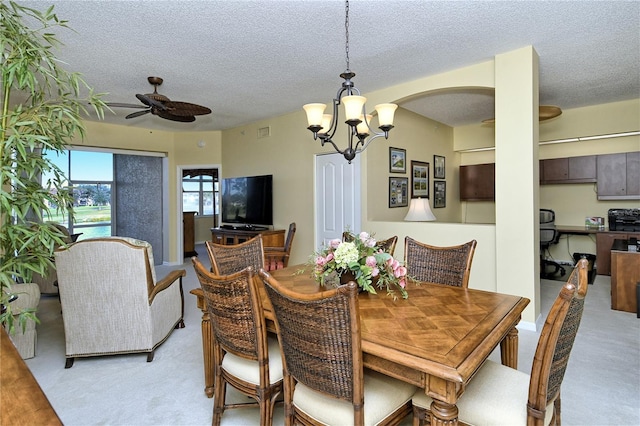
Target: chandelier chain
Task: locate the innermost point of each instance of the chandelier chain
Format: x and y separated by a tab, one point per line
346	31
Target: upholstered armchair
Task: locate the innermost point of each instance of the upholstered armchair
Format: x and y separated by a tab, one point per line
24	339
112	302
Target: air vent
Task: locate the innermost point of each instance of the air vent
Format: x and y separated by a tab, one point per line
264	132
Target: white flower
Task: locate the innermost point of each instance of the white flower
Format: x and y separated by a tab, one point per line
346	253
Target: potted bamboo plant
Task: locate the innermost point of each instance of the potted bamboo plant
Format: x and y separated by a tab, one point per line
40	108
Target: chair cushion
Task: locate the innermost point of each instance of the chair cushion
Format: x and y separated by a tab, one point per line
497	395
249	371
383	395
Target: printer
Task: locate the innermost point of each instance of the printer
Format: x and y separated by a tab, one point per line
624	220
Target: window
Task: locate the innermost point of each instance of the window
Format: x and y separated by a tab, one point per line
200	191
91	180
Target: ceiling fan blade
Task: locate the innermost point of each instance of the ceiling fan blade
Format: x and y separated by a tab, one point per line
150	101
120	105
138	113
173	117
186	109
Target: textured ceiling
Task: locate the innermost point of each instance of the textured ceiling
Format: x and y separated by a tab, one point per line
249	60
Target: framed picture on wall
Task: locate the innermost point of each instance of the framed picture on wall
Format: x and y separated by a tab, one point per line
398	192
397	160
439	194
419	179
438	167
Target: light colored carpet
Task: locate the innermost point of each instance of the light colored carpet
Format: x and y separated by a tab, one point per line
601	386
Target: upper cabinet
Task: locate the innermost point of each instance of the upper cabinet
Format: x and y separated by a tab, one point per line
619	176
568	170
478	182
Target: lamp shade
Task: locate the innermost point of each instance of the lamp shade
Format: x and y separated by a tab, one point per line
326	123
386	113
353	106
363	128
314	113
419	211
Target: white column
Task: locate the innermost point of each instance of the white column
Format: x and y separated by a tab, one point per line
517	175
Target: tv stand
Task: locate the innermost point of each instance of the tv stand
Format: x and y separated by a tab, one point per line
227	234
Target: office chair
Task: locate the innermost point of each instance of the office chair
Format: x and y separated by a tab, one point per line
548	235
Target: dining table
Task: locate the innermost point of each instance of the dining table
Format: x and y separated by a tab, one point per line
436	339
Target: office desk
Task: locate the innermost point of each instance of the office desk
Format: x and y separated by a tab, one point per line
576	230
436	339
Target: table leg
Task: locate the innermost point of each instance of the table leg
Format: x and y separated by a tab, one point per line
509	349
207	346
443	414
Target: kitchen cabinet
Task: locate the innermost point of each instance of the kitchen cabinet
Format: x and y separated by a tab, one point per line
619	176
604	242
478	182
568	170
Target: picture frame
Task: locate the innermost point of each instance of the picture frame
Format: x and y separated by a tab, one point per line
439	194
419	179
397	160
398	192
438	167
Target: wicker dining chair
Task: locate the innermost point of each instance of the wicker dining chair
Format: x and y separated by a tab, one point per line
388	245
500	395
443	265
227	259
325	382
243	355
278	257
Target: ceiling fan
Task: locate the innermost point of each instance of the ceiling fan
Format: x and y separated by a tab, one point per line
162	106
546	112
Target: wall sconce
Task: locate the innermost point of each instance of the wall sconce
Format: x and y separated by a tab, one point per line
419	211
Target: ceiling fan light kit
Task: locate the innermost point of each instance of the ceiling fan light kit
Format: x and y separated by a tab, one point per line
162	106
324	126
545	112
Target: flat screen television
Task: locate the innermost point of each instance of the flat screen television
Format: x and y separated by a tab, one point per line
248	200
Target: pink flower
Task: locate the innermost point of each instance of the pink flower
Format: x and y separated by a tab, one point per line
371	261
402	283
375	272
400	272
335	243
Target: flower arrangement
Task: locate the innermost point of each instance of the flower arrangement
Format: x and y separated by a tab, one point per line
360	259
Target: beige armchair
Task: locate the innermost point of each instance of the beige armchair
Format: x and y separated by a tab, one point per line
111	301
24	339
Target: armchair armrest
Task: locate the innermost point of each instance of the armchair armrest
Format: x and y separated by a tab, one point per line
164	283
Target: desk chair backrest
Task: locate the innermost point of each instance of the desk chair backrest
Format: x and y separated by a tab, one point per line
548	233
228	259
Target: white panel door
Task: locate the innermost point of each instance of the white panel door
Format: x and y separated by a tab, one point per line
337	202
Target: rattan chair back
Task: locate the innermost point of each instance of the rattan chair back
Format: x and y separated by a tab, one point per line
320	340
227	259
388	245
239	329
555	343
443	265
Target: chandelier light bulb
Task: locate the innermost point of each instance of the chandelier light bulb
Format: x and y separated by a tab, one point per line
353	107
363	128
314	113
386	113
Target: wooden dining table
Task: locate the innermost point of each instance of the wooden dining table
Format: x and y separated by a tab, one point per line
437	339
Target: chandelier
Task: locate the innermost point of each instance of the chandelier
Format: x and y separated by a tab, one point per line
324	126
